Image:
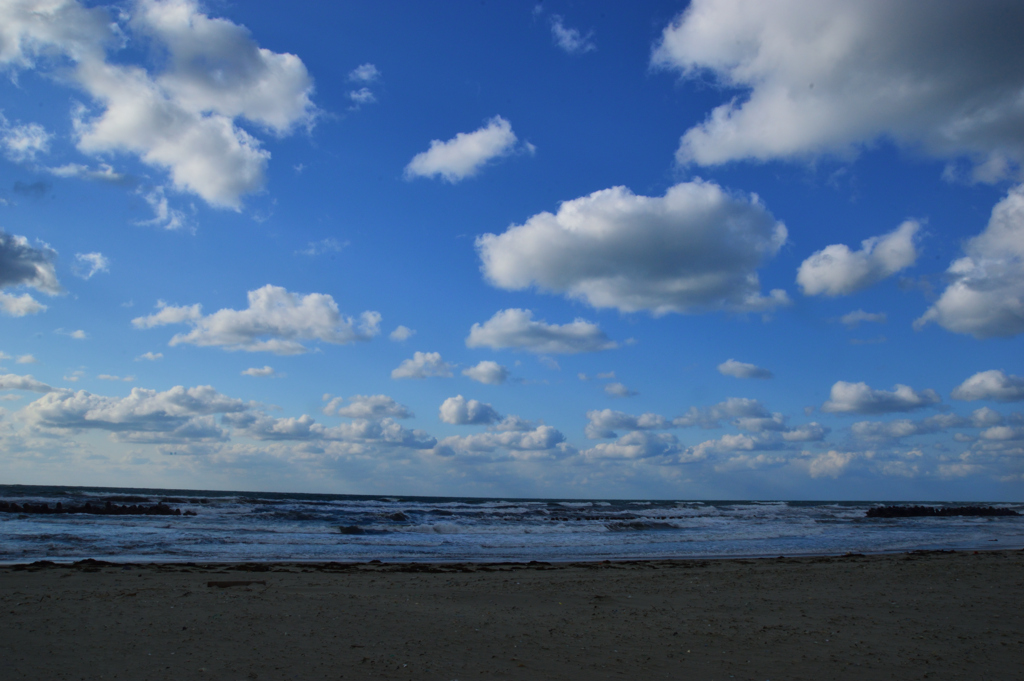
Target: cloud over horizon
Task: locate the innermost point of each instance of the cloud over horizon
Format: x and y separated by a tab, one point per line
696	248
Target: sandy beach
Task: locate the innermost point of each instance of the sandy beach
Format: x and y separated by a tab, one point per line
908	616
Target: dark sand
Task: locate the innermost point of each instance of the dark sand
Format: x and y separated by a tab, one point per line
911	616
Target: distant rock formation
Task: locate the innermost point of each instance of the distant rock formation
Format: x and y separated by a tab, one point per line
108	508
933	511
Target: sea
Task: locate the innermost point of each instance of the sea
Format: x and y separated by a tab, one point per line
265	526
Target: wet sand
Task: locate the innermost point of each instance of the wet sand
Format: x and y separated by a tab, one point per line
909	616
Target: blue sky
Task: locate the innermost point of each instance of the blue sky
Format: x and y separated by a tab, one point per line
716	250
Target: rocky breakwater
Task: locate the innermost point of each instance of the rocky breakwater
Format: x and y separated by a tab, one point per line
936	511
109	508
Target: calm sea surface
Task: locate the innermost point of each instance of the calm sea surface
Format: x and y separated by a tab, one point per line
262	526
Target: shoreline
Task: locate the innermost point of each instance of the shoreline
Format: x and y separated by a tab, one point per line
925	614
66	562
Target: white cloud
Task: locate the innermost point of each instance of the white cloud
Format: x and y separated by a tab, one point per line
110	377
22	143
859	398
20	306
22	264
487	372
103	173
150	356
77	334
731	367
89	264
837	271
164	216
696	248
423	365
711	417
515	328
635	445
169	314
401	333
619	390
991	385
176	415
520	444
809	432
362	96
384	432
15	382
985	297
827	76
275	321
364	73
465	154
257	372
27	359
459	411
372	407
570	39
603	423
328	245
831	464
182	119
853	319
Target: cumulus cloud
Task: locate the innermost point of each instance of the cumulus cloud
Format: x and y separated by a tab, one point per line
169	314
809	432
619	390
328	245
831	464
731	367
370	407
175	415
853	319
459	411
19	306
423	365
111	377
362	96
88	264
837	271
25	265
888	431
361	432
571	40
985	296
859	398
515	328
696	248
635	445
27	359
15	382
258	372
603	423
401	333
364	73
104	172
275	321
182	119
827	76
465	154
521	444
712	417
487	372
991	385
150	356
23	143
